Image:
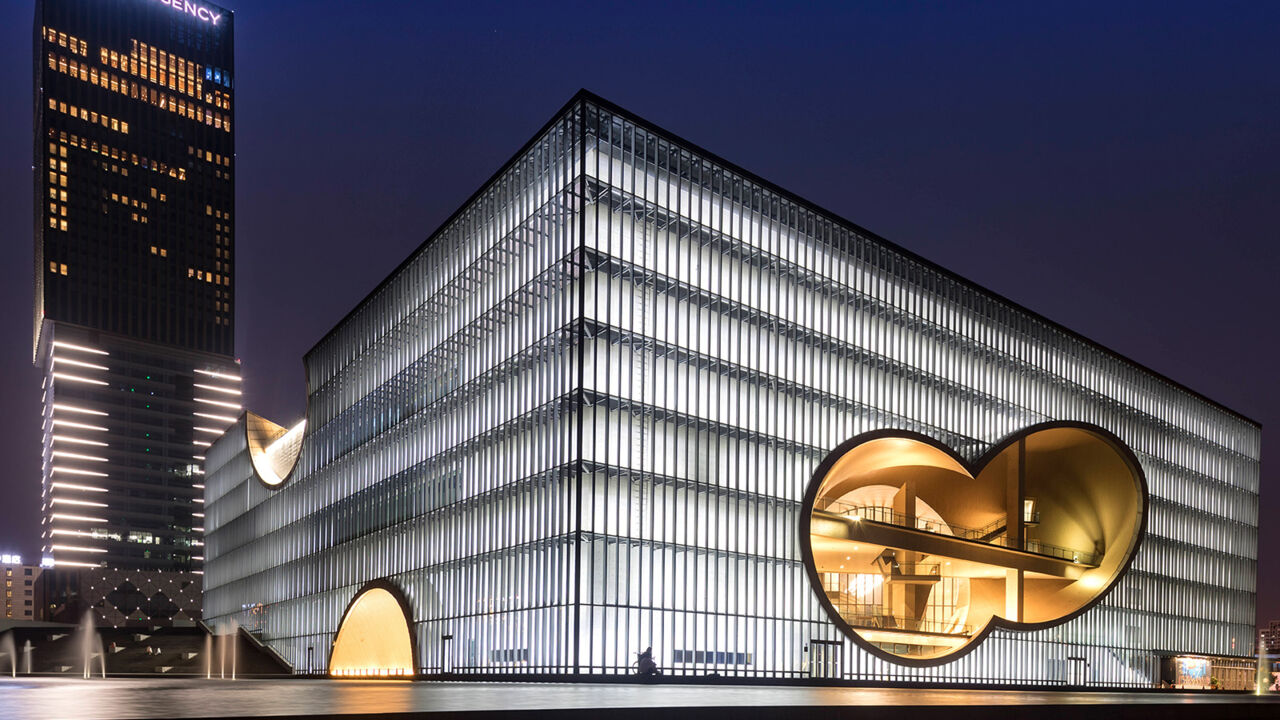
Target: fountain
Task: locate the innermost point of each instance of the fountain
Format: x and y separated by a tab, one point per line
26	655
8	650
208	656
227	637
235	643
91	646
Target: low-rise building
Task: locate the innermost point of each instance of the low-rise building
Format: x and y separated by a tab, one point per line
19	587
1269	639
119	597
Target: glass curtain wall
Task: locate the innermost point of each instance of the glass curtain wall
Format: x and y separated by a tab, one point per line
437	450
580	420
734	336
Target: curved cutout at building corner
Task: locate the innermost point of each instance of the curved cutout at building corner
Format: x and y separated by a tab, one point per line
273	449
916	554
374	638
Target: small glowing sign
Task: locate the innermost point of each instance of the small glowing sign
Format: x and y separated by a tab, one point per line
194	10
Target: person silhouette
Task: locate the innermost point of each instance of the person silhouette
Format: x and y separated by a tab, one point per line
645	665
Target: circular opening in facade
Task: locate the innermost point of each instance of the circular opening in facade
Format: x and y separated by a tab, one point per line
916	554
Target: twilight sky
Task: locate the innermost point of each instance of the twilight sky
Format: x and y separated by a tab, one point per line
1113	166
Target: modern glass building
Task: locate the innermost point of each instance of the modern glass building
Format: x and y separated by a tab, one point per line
630	396
133	327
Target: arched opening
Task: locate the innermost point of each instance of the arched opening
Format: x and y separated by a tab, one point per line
374	638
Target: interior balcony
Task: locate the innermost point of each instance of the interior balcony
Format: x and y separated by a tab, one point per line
989	545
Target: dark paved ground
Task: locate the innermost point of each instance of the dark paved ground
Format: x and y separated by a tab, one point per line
190	698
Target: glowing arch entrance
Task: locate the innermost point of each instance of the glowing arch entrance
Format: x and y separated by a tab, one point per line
374	639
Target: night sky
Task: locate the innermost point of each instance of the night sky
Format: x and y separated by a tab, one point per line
1114	167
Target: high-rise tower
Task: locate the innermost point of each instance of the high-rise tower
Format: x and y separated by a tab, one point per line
134	287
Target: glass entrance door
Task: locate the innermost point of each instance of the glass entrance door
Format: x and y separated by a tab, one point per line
824	659
1076	670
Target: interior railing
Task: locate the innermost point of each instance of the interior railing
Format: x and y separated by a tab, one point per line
887	516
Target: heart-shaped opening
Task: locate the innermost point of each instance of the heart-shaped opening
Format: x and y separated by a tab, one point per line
916	554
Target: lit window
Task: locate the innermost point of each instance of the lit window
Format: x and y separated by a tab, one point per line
63	267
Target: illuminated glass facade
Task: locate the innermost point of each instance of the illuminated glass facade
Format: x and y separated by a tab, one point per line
134	301
581	419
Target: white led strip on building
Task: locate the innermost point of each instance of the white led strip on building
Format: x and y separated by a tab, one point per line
77	456
76	471
78	425
57	422
74	409
201	424
80	348
215	388
74	486
82	503
77	378
72	563
220	376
